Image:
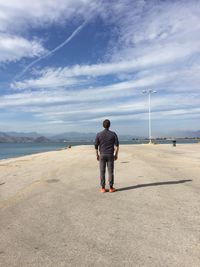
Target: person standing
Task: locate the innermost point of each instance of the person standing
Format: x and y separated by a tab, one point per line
107	148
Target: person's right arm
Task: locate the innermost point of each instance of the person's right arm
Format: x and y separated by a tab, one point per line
116	152
116	147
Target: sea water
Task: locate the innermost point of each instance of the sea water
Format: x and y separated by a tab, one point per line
12	150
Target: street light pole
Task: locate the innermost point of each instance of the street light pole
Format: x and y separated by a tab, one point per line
149	92
149	118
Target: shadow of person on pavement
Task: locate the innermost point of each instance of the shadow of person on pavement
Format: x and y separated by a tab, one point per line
153	184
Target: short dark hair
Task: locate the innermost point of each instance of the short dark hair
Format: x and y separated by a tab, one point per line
106	124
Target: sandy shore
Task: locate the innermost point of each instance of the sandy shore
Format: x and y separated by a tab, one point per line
52	213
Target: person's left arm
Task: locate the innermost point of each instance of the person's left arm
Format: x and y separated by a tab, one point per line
96	145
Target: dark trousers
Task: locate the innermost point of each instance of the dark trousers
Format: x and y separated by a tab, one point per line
106	160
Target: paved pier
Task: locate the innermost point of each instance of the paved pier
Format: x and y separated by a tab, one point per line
52	213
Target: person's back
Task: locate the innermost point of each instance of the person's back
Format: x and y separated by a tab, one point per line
105	143
106	140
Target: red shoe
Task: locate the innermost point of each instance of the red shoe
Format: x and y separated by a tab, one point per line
103	190
112	190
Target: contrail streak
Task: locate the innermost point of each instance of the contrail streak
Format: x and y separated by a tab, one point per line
54	50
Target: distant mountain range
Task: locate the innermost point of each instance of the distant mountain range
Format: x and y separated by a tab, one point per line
187	134
74	136
17	137
12	137
20	137
21	134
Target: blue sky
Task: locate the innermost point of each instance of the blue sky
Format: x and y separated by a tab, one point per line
68	65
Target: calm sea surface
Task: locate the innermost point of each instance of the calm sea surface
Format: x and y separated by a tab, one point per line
8	150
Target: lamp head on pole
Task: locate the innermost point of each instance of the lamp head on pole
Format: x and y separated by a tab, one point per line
150	91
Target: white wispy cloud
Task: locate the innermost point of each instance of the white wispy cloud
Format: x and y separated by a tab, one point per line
157	58
13	48
51	79
74	33
154	26
119	89
19	15
48	105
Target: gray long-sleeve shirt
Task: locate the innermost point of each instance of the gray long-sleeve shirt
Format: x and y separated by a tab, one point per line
105	141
